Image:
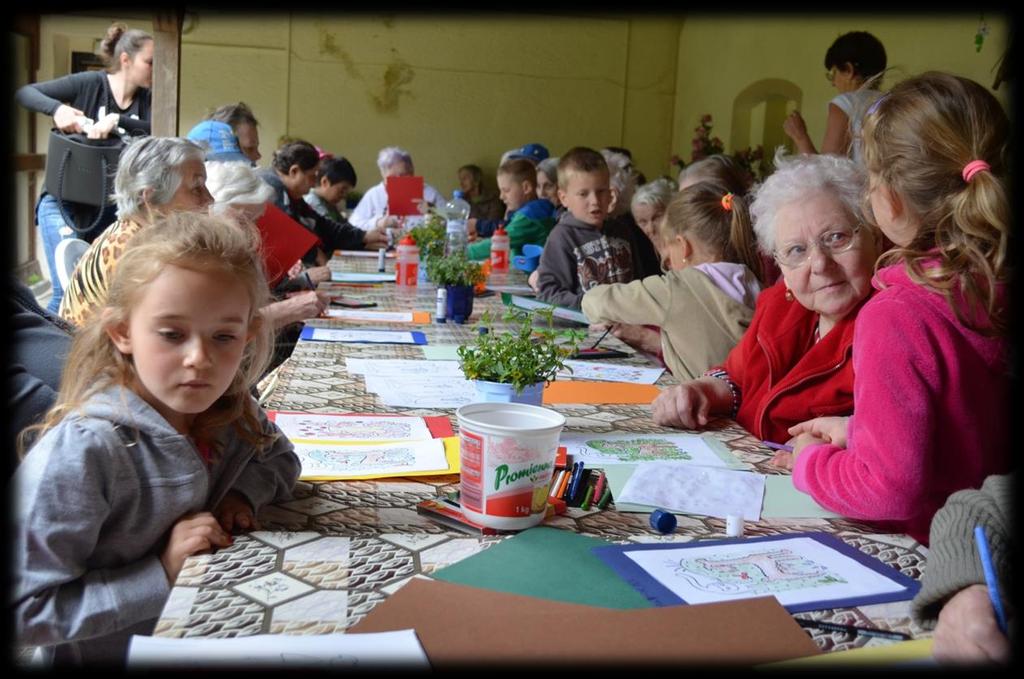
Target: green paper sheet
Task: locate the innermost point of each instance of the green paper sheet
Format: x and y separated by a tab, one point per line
548	563
616	476
440	352
782	500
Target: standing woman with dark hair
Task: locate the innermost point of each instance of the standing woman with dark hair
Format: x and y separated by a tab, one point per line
118	98
854	64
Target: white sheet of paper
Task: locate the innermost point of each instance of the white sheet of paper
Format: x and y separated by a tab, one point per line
597	450
612	372
794	571
421	391
559	312
376	316
314	427
389	254
361	277
331	459
380	336
693	489
318	651
402	366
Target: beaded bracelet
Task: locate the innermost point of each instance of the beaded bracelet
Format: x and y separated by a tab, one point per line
720	374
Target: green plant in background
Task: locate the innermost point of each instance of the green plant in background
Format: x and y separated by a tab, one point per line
429	236
454	270
522	356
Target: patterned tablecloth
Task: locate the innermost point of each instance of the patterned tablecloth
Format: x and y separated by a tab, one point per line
327	557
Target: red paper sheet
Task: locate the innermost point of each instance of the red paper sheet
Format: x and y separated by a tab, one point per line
285	241
403	195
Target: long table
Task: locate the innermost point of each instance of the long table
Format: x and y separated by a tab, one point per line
327	557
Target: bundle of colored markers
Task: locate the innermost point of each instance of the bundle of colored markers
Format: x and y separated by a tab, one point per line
580	487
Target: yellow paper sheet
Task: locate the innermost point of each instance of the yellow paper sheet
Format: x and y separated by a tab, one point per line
451	453
578	391
896	653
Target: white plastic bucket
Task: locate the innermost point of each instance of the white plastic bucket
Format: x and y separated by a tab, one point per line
507	455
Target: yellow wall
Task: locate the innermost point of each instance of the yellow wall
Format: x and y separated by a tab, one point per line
451	90
719	57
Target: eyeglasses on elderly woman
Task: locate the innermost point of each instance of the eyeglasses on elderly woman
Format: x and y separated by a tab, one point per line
832	242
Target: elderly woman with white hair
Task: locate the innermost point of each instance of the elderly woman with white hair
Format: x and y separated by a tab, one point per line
240	194
155	176
371	212
794	362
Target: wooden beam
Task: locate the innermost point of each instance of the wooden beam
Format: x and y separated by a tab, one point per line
166	67
27	162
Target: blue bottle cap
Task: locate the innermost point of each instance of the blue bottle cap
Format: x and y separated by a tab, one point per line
662	521
482	331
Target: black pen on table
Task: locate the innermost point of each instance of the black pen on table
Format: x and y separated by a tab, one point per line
606	331
852	629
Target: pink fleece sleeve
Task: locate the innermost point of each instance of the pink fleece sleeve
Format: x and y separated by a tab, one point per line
881	475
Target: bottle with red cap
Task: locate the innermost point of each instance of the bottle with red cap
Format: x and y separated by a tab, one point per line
500	250
407	262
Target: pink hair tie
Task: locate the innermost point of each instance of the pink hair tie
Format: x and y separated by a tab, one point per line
974	167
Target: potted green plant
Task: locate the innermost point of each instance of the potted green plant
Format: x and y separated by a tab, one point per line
513	366
429	236
458	275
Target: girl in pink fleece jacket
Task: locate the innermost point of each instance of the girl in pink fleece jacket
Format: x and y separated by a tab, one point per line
930	350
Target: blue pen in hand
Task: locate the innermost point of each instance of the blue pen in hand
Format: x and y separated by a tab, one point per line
990	576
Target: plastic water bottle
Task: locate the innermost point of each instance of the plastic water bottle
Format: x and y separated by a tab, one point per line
407	262
456	211
500	250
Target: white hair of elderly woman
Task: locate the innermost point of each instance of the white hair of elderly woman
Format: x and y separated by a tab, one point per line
391	155
797	177
234	182
656	194
623	181
151	164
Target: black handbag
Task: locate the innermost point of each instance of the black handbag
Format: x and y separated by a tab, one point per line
81	170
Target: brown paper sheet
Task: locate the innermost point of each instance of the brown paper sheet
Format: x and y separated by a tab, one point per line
461	625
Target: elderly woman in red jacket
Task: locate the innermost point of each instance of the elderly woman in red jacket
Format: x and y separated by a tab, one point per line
794	361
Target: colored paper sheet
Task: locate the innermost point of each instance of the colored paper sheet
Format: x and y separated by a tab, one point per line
284	242
465	626
616	476
693	489
579	391
547	563
606	449
403	195
356	428
387	650
531	304
804	571
332	462
441	352
312	334
783	500
361	277
357	315
902	654
611	372
403	366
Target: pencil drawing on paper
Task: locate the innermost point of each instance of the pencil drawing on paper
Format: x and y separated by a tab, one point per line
351	428
350	461
640	449
762	572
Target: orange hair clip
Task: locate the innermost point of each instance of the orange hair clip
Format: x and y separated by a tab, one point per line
727	202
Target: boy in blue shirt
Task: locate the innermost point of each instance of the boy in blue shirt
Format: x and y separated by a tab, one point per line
530	219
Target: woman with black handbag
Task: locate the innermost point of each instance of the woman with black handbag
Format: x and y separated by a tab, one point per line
97	105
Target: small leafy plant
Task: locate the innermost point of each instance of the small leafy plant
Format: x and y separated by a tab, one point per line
454	270
522	356
429	236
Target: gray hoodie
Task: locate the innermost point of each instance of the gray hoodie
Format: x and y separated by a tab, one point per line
95	500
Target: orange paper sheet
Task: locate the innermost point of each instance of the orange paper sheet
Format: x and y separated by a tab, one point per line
599	392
